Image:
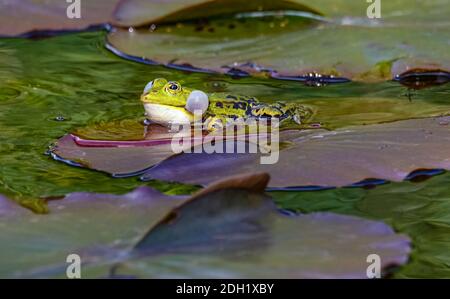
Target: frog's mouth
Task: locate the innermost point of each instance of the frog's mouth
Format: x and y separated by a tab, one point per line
167	115
196	105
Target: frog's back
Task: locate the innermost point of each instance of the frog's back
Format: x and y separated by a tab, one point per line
232	106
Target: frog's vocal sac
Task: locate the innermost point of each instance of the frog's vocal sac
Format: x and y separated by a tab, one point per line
167	103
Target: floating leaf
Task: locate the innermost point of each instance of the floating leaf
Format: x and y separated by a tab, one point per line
291	47
142	12
418	209
287	55
266	245
117	160
127	154
80	224
138	12
322	158
19	17
399	12
342	157
228	230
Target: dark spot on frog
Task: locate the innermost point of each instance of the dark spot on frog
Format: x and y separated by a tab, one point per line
219	104
248	111
240	105
211	29
231	97
231	26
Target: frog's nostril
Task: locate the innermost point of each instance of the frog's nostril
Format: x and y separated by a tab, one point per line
197	100
148	87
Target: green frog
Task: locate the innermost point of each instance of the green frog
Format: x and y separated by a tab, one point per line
167	103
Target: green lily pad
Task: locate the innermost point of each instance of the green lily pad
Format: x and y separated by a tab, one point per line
230	229
289	54
419	209
290	47
399	12
138	12
142	12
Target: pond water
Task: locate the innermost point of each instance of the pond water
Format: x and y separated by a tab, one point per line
52	86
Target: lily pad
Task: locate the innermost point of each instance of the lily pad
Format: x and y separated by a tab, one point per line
142	12
342	157
138	12
393	12
81	222
20	17
292	54
230	229
283	47
418	209
117	160
133	147
318	157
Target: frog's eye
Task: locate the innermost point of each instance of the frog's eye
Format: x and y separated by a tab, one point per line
148	87
173	87
197	101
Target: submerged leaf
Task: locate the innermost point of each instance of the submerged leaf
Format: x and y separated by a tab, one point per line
227	230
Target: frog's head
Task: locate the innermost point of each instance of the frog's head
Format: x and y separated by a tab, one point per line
168	102
161	91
